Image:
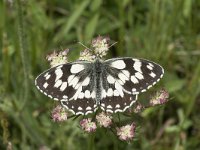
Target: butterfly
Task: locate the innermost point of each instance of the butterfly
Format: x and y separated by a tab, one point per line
112	85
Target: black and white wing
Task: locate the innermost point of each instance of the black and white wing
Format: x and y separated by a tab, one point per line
72	84
134	75
124	79
114	99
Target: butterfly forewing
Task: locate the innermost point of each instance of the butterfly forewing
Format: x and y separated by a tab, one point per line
70	83
134	75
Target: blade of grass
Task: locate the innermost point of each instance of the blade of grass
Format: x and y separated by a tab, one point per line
23	48
72	20
91	26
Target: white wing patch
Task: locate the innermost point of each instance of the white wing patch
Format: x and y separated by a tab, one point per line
86	81
74	82
152	74
58	73
45	85
110	79
139	75
119	64
134	79
87	94
76	68
123	77
110	92
127	73
119	89
137	66
63	86
58	83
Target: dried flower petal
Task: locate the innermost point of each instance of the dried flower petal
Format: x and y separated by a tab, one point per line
64	52
57	58
160	97
138	108
87	125
59	114
104	120
9	146
127	132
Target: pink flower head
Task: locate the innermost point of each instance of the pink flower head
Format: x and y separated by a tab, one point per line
161	97
87	125
104	120
59	114
86	55
57	58
101	45
127	132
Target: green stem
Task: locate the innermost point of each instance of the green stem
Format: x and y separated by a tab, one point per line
193	88
91	141
23	47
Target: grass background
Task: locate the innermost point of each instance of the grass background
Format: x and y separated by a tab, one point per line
164	31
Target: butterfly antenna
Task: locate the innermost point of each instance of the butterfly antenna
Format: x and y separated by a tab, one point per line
84	46
112	45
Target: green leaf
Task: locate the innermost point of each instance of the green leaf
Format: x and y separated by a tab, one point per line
187	6
172	129
95	5
173	83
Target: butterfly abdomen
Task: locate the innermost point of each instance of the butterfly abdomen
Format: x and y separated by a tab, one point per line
98	67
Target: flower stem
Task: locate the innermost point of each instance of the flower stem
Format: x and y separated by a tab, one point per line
91	141
23	47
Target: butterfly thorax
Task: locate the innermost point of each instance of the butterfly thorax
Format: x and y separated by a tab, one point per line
98	68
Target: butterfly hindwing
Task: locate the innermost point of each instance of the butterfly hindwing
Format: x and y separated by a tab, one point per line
114	104
114	97
80	106
135	75
83	101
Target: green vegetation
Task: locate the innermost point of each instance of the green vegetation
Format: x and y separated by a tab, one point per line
164	31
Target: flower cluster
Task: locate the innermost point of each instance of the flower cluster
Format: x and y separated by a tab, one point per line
86	55
59	114
161	97
104	120
127	132
57	58
87	125
101	46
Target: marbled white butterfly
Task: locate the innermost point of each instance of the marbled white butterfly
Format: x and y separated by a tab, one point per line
112	85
